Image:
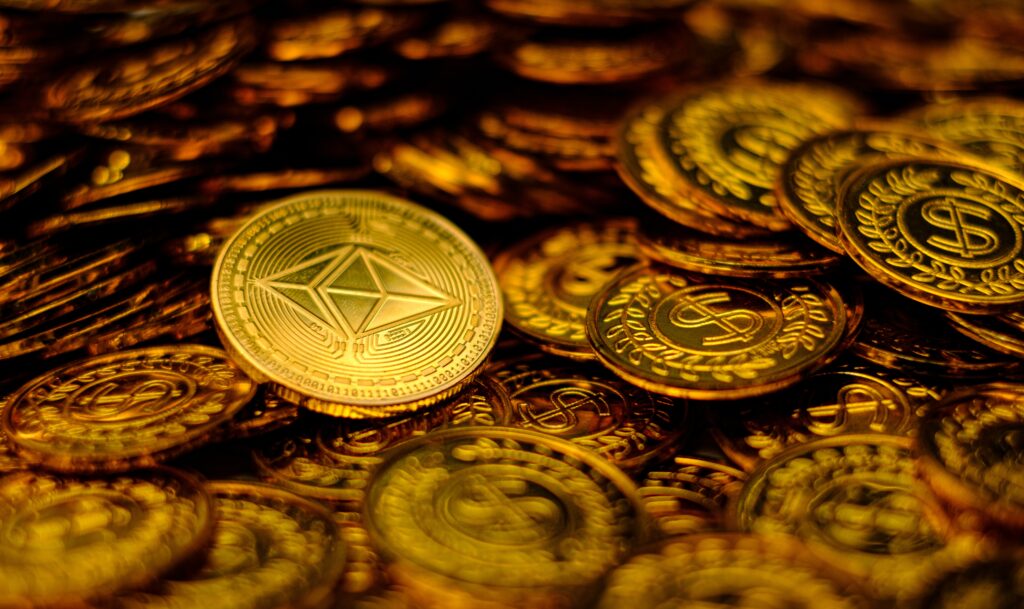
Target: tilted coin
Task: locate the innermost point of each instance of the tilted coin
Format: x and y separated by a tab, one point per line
970	454
810	178
118	87
565	152
549	279
331	33
591	13
125	410
20	185
902	334
1003	332
850	398
505	517
356	303
714	338
688	495
946	233
724	145
785	256
992	127
853	500
332	459
458	36
270	549
587	59
591	408
729	570
996	582
122	170
396	112
70	539
120	215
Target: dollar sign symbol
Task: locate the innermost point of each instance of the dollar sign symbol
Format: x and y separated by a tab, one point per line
854	401
738	325
565	401
968	240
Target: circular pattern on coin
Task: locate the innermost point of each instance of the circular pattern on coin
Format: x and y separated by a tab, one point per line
330	459
713	338
724	144
270	549
729	570
942	232
788	256
591	408
689	495
480	514
970	451
124	410
549	279
852	499
66	540
852	398
356	303
990	127
810	178
125	85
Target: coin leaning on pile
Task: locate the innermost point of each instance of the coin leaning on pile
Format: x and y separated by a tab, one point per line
512	303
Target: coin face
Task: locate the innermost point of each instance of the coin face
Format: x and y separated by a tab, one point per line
724	145
586	405
356	303
852	499
270	548
969	453
705	337
810	178
330	459
852	398
1003	332
124	410
687	495
68	539
992	128
790	256
942	232
518	512
729	570
548	281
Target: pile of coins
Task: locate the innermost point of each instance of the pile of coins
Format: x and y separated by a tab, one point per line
420	304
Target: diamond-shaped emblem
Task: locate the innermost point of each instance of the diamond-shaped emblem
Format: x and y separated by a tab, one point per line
357	291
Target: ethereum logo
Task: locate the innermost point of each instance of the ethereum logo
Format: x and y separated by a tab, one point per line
357	292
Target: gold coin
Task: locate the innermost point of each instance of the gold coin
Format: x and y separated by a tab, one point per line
566	153
1003	332
69	540
575	14
332	459
123	170
331	33
455	37
9	460
851	398
362	565
942	232
100	218
724	145
125	410
125	85
904	335
321	80
853	501
687	495
782	257
356	303
270	549
968	453
501	518
587	406
549	279
640	169
729	570
712	338
261	416
588	59
388	114
992	128
810	178
19	186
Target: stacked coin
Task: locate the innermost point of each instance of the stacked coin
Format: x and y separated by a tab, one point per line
514	303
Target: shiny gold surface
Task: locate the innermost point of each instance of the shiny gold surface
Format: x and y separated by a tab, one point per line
378	302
